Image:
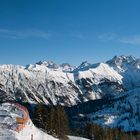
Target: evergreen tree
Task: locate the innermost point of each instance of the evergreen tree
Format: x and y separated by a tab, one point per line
54	120
37	116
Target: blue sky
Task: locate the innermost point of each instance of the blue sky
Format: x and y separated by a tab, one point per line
68	30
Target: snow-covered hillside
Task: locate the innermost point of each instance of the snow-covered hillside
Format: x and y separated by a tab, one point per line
129	68
9	126
49	83
123	112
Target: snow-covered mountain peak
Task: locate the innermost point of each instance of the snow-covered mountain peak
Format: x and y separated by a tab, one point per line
105	70
136	64
121	63
67	67
49	64
10	66
102	71
121	60
83	66
52	84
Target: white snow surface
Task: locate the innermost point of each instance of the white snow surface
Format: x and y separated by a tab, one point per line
32	130
76	138
49	83
100	72
123	113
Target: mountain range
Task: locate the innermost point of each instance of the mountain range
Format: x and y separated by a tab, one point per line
116	80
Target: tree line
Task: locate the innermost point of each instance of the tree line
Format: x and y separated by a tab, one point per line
93	131
54	121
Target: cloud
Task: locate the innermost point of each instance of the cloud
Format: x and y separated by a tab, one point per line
22	34
109	36
133	40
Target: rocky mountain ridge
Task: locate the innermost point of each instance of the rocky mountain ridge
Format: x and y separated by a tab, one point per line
116	82
49	83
